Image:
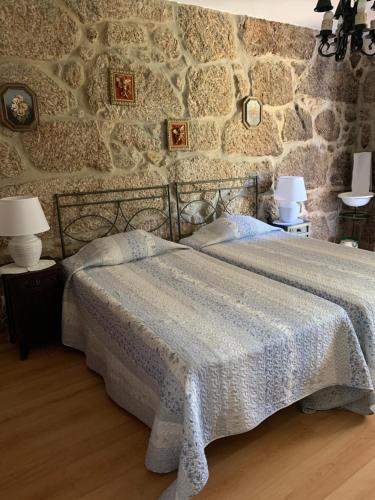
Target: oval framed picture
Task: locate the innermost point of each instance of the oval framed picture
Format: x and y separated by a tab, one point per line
252	112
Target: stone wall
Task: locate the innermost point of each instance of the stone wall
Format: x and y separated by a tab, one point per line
190	63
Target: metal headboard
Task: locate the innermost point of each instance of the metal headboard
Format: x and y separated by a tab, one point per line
193	193
119	210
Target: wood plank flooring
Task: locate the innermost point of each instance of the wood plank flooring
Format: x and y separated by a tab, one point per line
62	438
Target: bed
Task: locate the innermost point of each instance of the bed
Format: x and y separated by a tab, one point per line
199	349
334	272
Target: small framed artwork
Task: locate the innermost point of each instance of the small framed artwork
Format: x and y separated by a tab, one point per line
252	112
18	107
178	134
122	87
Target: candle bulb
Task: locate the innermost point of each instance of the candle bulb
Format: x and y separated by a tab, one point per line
361	18
327	23
361	6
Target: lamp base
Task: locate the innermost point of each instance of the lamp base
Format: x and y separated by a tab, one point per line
289	212
25	250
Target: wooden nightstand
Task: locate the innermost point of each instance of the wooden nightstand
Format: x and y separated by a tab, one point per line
33	300
300	229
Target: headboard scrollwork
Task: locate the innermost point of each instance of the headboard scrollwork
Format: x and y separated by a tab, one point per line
200	202
84	216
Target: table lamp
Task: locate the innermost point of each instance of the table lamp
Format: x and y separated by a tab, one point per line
290	191
22	217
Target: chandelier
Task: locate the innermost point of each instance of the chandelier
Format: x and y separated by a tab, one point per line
351	17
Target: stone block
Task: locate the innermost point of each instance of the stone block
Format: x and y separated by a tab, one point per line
67	146
204	136
351	114
128	159
341	169
261	141
37	29
86	52
328	80
319	227
265	37
368	87
167	43
272	82
307	161
118	33
73	74
10	162
297	125
366	135
202	168
298	67
91	11
92	34
242	81
322	201
208	35
211	91
327	125
135	136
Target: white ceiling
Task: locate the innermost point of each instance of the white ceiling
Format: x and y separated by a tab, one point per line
298	12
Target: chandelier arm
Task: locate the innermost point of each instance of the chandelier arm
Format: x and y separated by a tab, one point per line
328	46
343	44
370	51
368	54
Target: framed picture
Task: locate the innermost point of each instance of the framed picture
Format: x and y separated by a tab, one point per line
122	87
178	134
252	112
18	107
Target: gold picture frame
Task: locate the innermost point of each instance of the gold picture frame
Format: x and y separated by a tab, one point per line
178	132
122	85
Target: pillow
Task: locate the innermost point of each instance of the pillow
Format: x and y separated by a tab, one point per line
216	232
227	228
117	249
249	226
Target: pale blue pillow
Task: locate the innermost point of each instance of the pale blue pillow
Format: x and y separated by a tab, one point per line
249	227
228	228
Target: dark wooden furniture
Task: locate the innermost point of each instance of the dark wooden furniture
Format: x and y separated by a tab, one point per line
33	304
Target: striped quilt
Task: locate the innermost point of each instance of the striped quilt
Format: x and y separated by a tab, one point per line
198	349
340	274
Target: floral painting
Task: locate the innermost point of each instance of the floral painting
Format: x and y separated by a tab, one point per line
178	134
122	87
18	107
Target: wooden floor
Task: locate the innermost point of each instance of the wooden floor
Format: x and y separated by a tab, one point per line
61	437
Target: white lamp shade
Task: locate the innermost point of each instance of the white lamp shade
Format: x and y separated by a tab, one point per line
21	215
290	188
